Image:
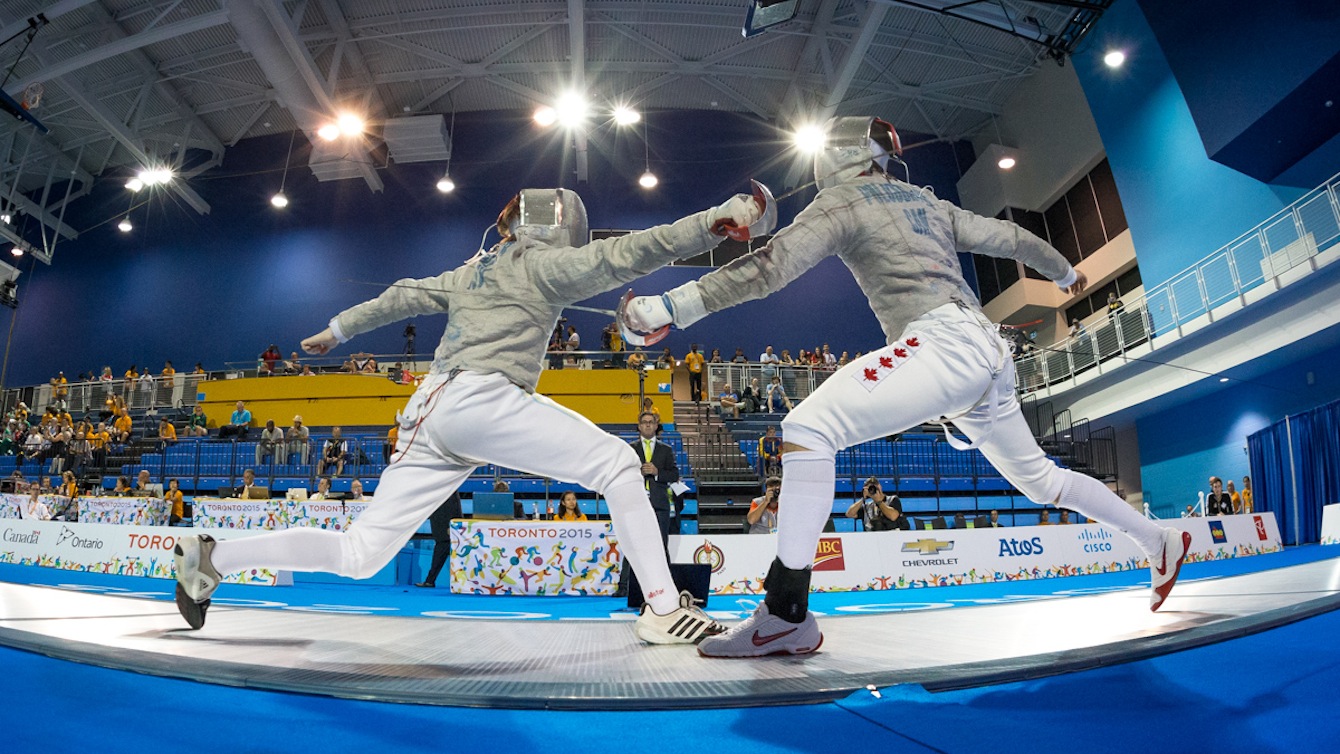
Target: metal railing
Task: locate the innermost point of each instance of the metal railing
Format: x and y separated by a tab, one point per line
1289	240
797	381
81	398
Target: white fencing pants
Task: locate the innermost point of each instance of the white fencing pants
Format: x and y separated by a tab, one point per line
953	365
448	428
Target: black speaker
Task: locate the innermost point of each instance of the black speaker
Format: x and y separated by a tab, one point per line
696	578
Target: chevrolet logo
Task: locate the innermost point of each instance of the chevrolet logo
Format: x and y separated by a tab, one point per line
927	546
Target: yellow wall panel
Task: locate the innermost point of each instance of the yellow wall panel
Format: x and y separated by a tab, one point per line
605	396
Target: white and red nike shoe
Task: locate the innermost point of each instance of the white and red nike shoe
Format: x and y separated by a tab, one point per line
1165	565
764	634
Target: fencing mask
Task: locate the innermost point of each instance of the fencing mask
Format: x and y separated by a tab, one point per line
852	143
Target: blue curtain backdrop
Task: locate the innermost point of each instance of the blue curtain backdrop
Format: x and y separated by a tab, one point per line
1298	456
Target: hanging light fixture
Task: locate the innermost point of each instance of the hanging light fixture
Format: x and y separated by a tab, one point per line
124	226
648	179
445	184
280	200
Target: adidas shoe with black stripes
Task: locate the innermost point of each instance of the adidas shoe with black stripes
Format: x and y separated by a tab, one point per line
686	624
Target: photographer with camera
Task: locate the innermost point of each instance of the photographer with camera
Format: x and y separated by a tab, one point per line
879	512
762	515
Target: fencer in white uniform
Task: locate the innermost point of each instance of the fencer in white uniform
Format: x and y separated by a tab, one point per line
943	361
478	404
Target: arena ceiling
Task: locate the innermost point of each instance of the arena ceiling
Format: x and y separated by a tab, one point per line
128	84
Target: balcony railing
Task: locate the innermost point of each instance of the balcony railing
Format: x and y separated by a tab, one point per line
1287	246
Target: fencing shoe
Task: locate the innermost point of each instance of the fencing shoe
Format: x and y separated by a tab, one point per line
1165	565
196	577
686	624
765	634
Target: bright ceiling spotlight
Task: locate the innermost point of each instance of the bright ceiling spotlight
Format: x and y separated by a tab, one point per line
1006	163
349	124
648	180
1114	59
809	139
6	218
16	251
446	185
545	116
1221	379
571	109
135	184
124	226
279	200
626	116
329	132
152	177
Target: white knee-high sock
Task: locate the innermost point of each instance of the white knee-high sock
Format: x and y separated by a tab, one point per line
297	549
1092	498
640	540
804	506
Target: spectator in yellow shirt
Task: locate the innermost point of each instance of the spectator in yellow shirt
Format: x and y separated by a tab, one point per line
121	427
392	435
167	433
168	371
567	508
694	361
174	500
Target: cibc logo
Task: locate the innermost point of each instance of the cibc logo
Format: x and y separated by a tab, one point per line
68	536
828	555
17	538
709	554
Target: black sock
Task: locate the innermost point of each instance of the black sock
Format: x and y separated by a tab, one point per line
788	592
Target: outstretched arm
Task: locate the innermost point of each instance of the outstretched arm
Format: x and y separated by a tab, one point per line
1001	238
816	233
575	274
404	298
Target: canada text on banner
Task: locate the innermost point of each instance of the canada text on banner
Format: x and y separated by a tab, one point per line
534	557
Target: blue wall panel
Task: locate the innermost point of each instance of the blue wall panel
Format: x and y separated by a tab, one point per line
1181	205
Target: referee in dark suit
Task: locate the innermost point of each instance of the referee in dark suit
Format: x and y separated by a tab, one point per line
659	471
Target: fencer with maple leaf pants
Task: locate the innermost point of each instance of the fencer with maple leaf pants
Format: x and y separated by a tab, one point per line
943	362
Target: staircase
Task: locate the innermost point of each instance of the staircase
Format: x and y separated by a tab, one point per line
726	480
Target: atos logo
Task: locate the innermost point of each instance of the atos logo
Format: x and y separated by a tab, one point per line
928	546
709	554
1096	540
1017	547
1217	532
828	556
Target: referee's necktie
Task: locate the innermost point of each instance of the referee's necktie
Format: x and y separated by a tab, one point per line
647	446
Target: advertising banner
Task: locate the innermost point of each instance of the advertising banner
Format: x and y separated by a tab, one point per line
217	513
1330	524
137	511
946	557
534	557
120	549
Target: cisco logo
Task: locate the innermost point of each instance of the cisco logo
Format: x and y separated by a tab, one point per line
1096	540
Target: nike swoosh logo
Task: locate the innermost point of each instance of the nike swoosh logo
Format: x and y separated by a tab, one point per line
1163	566
761	640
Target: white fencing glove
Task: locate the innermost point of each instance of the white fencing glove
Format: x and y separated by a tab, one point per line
680	306
734	216
647	314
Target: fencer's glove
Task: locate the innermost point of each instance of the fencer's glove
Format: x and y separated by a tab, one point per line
681	307
738	212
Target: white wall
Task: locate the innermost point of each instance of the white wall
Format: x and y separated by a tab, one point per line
1047	125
